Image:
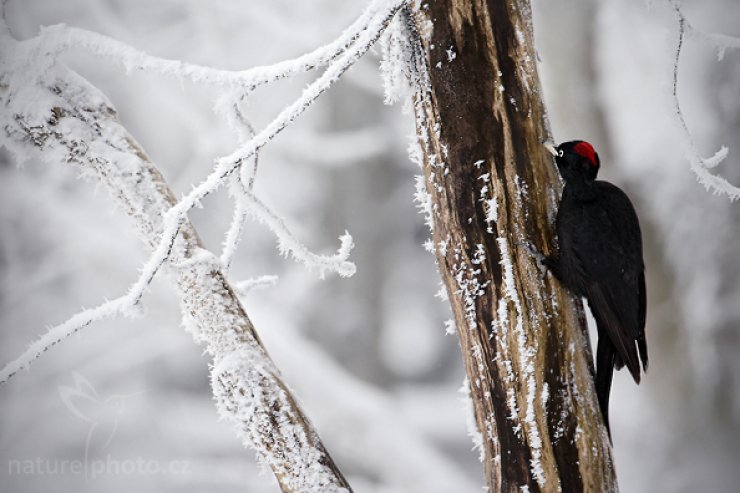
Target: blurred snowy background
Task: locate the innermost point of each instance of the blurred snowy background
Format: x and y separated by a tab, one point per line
368	356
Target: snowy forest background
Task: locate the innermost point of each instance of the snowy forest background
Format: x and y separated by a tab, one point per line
368	356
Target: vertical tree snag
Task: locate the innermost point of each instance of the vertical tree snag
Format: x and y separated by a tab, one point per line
493	188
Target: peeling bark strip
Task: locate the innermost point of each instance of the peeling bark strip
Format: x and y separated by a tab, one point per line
72	122
492	187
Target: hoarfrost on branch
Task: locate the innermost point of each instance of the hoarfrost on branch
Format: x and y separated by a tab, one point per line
699	165
53	113
32	66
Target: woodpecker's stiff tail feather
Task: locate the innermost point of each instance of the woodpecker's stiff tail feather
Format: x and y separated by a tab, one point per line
605	354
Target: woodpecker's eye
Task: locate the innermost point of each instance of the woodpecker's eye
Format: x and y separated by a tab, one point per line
560	153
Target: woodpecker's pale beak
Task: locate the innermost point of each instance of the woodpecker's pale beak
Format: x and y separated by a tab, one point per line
551	147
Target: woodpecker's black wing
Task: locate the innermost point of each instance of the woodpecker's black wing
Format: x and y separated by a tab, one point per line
614	271
612	325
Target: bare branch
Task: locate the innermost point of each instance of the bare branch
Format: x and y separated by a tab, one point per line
243	287
246	179
289	244
109	309
699	165
720	42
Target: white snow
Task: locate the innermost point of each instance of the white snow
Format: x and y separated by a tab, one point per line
525	359
475	435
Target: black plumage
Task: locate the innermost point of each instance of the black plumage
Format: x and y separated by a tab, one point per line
600	257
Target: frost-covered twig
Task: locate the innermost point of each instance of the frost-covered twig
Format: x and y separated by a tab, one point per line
247	204
244	287
699	165
366	39
234	235
289	244
236	229
109	309
720	42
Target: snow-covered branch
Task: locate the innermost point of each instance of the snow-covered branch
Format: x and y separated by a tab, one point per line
52	113
700	165
288	244
80	320
59	38
367	38
248	205
244	287
71	122
244	179
720	42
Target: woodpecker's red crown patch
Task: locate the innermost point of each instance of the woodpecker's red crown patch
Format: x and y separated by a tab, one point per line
585	149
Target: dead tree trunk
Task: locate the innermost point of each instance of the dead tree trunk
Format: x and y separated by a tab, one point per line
493	188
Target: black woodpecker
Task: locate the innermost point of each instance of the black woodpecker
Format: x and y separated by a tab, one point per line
600	258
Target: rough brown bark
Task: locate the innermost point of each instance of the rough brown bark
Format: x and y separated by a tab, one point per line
493	187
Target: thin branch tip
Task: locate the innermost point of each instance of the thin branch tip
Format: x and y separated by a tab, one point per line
700	166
